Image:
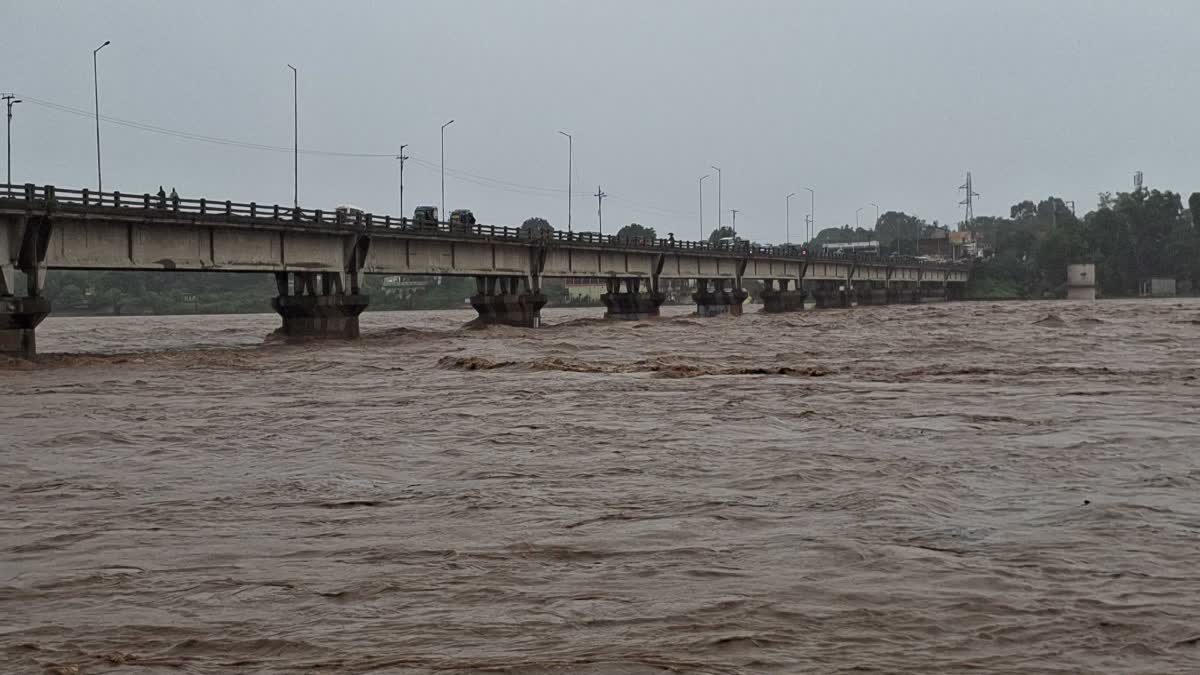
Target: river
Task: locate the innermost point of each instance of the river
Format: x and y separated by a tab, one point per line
993	487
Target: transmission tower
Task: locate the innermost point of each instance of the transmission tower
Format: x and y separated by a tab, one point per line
969	200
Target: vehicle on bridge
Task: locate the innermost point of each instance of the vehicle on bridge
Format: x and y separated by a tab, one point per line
461	220
426	217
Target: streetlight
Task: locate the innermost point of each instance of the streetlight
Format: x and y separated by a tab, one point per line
9	101
860	210
718	197
702	204
295	137
402	157
876	212
788	216
96	85
444	166
812	219
570	171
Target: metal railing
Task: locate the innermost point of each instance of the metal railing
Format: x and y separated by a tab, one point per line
29	197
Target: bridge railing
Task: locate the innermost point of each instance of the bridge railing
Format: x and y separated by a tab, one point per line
33	197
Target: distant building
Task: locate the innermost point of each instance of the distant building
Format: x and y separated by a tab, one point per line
1157	287
1081	282
590	289
852	247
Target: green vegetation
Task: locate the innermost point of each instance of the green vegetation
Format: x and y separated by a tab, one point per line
536	227
635	231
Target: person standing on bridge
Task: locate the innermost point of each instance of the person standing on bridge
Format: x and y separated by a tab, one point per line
162	198
174	199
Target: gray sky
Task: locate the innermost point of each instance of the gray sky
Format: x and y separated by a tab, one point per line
886	102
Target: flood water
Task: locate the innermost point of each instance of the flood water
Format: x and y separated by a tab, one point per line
987	487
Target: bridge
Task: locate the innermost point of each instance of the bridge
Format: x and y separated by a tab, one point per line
319	258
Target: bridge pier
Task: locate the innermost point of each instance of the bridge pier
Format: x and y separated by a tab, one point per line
782	299
867	293
632	304
714	299
19	318
502	300
829	294
317	306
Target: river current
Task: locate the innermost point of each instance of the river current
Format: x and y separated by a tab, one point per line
984	487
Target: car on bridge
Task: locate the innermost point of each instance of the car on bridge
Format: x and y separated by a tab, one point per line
426	217
461	220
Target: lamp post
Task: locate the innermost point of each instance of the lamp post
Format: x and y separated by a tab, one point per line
402	157
787	217
295	137
96	85
876	213
702	204
812	219
718	197
570	172
444	167
860	210
9	102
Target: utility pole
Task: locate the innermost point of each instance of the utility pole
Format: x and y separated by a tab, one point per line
96	85
718	197
734	212
812	218
402	157
702	205
9	101
295	137
600	195
787	217
443	215
570	173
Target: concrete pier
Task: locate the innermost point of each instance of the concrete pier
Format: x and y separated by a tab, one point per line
317	307
19	318
713	298
776	300
630	304
501	300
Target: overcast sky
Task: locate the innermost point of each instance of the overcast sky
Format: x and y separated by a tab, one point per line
885	102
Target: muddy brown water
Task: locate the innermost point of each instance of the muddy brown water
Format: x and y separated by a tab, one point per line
986	487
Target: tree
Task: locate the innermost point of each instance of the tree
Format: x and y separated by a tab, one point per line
536	227
720	233
899	231
635	231
1194	207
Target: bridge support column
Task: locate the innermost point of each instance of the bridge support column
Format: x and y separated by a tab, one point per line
868	294
828	294
19	318
714	299
632	304
502	300
782	299
317	306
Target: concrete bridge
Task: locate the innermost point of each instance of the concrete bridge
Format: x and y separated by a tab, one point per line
319	259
